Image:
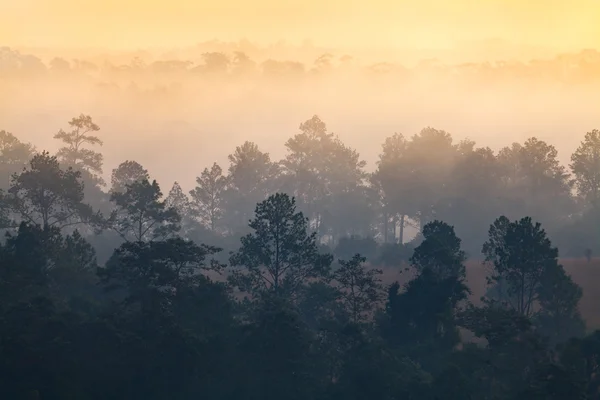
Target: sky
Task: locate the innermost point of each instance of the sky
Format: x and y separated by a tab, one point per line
130	24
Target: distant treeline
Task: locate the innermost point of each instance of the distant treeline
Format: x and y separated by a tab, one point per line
570	68
418	179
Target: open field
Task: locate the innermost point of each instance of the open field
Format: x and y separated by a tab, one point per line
586	275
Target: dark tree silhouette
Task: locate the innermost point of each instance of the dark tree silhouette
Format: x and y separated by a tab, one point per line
48	196
279	256
520	254
360	288
74	154
440	252
141	215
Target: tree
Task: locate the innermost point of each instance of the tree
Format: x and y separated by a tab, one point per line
392	178
215	62
60	65
429	330
585	164
48	196
26	261
440	252
14	156
77	255
158	267
360	288
207	196
514	357
40	261
558	296
545	174
429	161
126	173
141	215
474	194
251	179
276	357
242	64
321	171
535	180
520	254
73	154
178	200
279	256
579	355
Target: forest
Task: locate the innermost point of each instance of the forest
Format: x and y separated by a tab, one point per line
266	280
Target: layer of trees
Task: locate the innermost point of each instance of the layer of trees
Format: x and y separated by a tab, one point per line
163	318
257	284
237	64
418	179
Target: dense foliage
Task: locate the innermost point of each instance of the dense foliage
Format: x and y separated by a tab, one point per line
121	292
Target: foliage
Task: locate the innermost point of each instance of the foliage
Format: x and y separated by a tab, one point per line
127	173
360	288
585	164
250	181
165	317
141	215
559	297
158	268
520	254
73	154
440	252
279	256
48	196
14	156
207	197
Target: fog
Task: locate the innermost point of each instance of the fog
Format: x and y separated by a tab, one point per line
177	121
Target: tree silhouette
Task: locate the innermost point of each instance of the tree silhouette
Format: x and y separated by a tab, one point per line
585	164
207	196
520	254
14	156
392	180
74	154
126	173
360	288
440	252
48	196
141	215
279	256
251	179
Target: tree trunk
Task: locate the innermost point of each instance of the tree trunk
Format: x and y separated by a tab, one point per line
385	227
401	238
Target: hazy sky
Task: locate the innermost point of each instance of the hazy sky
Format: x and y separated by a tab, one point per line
397	23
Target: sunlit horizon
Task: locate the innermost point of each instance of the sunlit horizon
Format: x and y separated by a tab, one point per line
333	23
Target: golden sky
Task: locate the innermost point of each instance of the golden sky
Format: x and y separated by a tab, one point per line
414	23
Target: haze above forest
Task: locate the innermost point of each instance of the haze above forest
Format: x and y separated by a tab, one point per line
143	73
179	112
